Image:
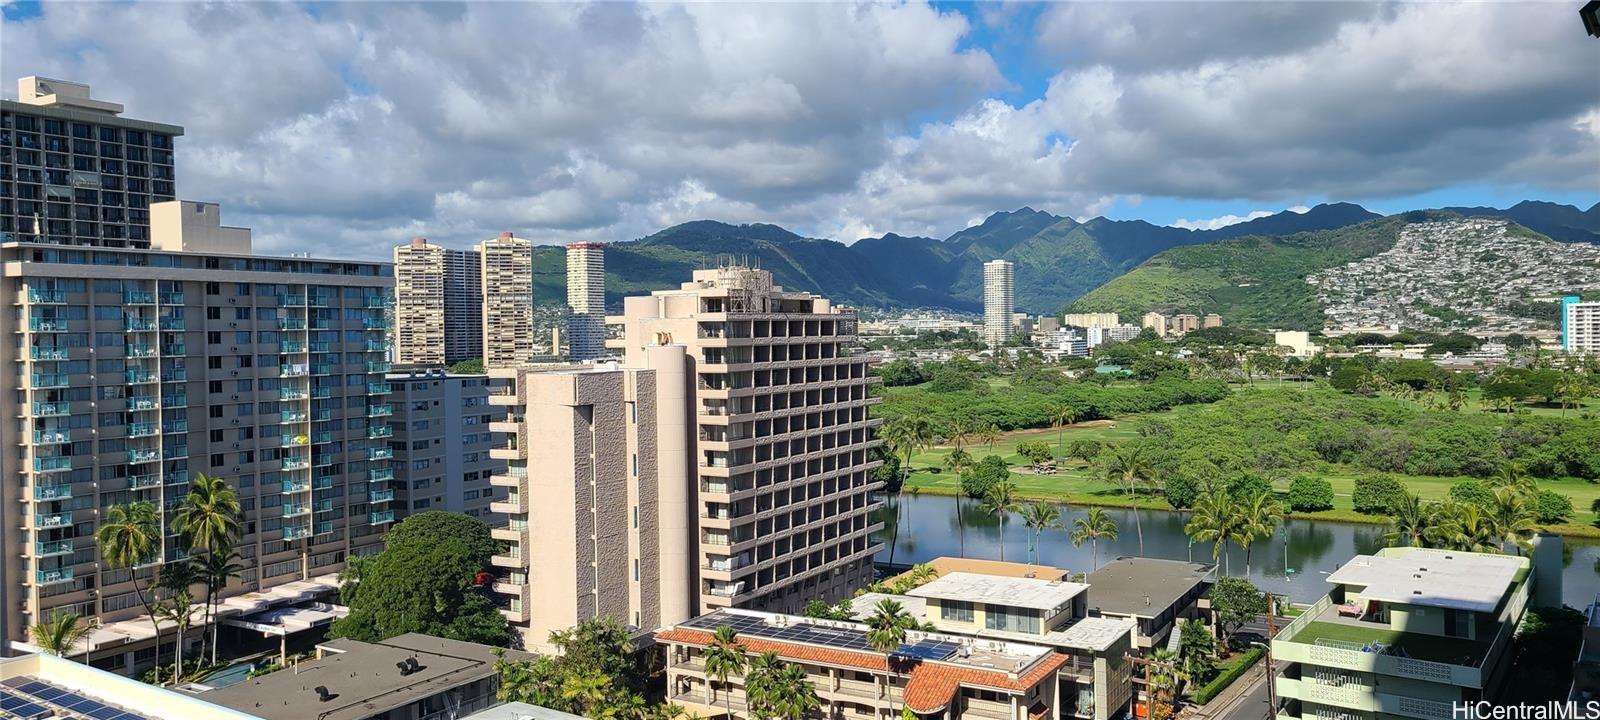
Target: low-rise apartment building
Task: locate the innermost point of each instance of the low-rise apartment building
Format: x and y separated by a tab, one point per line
1155	594
932	674
1407	632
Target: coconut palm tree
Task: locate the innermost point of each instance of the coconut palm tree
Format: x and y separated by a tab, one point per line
1258	517
130	536
209	515
1128	466
175	582
1463	526
1511	476
59	634
1061	416
215	569
987	434
724	657
761	685
886	631
959	461
1000	501
907	435
1214	519
1409	521
1039	517
1513	519
1094	525
794	695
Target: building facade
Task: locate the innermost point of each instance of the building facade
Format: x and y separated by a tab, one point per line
1184	323
1580	326
599	509
508	317
139	368
1097	336
1409	632
74	172
999	296
1211	320
441	444
438	305
782	447
1155	321
586	301
1091	320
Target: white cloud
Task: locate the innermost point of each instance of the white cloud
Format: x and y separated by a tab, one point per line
1218	222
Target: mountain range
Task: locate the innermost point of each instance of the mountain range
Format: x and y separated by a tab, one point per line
1059	261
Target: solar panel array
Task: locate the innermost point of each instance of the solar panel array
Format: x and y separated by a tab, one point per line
26	698
820	635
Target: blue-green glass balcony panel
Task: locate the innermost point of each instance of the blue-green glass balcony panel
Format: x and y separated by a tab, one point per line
139	350
47	353
175	426
379	410
296	533
137	377
380	518
294	486
52	464
52	520
51	380
138	324
147	480
142	456
52	547
173	323
51	437
173	401
47	325
172	298
381	431
52	492
48	409
380	453
143	402
380	496
292	510
138	297
51	577
380	475
46	296
141	429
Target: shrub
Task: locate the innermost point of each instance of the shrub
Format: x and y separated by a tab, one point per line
1376	495
1552	507
989	471
1226	678
1249	486
1181	490
1310	494
1472	492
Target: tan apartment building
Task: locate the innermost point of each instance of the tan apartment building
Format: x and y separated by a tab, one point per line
1091	320
586	301
599	509
507	272
438	305
1211	320
931	674
1155	321
138	368
1183	323
781	440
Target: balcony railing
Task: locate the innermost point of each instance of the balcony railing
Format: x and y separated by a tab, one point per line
38	352
174	324
136	482
138	297
51	380
52	464
293	370
292	416
379	410
51	437
52	547
378	367
174	375
52	492
380	453
291	323
139	350
174	349
380	475
42	296
380	518
377	388
293	440
51	577
294	464
291	394
294	486
380	431
296	533
296	510
291	346
139	377
138	324
172	298
380	301
379	496
141	456
47	325
292	300
48	409
52	520
177	400
142	402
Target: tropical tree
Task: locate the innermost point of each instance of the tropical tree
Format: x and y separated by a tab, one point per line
724	657
1092	526
959	461
1129	466
1512	519
61	632
1258	517
1409	521
886	631
1464	527
988	434
1511	475
1197	648
175	582
215	569
1039	517
1214	520
794	697
907	435
1061	416
1165	675
1000	501
760	685
129	536
208	521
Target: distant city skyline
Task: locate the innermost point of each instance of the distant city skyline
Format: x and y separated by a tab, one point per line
349	128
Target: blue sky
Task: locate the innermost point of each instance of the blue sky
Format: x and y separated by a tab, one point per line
360	125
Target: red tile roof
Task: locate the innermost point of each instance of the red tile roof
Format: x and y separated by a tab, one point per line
931	687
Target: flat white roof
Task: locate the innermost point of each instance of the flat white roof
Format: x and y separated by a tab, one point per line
1432	578
1032	593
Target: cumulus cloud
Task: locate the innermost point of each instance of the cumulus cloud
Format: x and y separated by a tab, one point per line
355	126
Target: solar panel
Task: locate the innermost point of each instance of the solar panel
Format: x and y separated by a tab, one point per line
22	704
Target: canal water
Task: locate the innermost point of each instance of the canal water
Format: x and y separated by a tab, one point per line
1295	561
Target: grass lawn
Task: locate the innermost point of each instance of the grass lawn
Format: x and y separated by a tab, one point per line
1475	403
1423	647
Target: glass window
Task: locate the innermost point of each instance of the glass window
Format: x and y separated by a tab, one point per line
1002	617
955	610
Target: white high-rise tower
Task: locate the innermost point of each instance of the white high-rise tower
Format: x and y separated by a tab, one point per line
998	298
586	300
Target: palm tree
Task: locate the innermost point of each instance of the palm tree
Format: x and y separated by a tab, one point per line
62	632
1513	520
1164	678
1039	517
130	536
1409	521
215	569
1463	527
907	435
959	432
1258	517
1214	519
761	685
987	434
886	630
1512	477
795	696
175	581
1061	416
208	520
1000	501
724	657
958	461
1091	527
1128	465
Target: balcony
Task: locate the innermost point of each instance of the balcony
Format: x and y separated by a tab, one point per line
380	475
294	486
379	431
38	352
295	510
52	464
142	402
291	346
292	416
51	437
139	377
47	325
138	297
172	298
52	492
296	533
377	367
55	409
291	324
1321	638
380	518
174	349
51	380
379	301
143	456
379	410
294	463
139	482
292	300
52	548
138	350
292	394
52	520
380	496
321	393
293	371
173	324
514	559
377	346
293	440
52	577
174	401
378	388
174	375
138	324
43	296
382	453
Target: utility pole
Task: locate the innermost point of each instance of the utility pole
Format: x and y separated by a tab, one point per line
1272	675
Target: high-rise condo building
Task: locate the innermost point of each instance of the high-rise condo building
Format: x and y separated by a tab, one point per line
1155	321
1211	320
138	368
441	443
600	511
998	298
1580	325
586	301
74	172
438	305
1091	320
1183	323
507	274
782	443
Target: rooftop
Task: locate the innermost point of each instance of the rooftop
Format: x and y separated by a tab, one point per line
1032	593
33	687
1143	587
1432	578
996	568
521	711
363	679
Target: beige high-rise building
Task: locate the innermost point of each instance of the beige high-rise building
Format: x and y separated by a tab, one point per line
599	510
1211	320
586	301
507	300
999	293
1184	323
1155	321
782	446
140	369
1091	320
438	305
